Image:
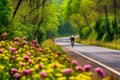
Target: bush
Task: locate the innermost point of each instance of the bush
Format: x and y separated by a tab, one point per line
85	33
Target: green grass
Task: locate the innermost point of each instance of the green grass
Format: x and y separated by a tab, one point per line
51	44
111	45
59	48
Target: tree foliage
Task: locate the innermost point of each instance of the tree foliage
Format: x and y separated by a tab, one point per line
4	15
100	16
43	19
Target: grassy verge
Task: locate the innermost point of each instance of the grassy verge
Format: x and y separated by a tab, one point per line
51	44
59	48
112	45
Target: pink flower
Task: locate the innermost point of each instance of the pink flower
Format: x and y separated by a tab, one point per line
40	49
33	45
4	35
16	52
14	70
37	45
16	39
34	42
36	61
26	72
26	58
100	72
12	57
87	67
74	62
67	71
16	43
16	75
24	42
1	51
59	53
22	64
24	38
78	68
30	70
12	49
28	53
43	74
55	66
40	66
29	62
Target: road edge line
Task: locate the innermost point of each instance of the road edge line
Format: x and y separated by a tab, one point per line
97	62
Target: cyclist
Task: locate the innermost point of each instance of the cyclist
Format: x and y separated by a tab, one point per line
72	40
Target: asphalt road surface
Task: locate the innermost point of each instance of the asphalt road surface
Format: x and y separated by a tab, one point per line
108	57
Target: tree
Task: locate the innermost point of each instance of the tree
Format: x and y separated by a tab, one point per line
38	14
84	8
4	15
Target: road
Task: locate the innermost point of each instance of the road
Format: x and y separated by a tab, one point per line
108	57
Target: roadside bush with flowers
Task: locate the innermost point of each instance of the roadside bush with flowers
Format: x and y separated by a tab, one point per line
21	60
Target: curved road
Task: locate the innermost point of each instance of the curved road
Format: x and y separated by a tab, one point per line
108	57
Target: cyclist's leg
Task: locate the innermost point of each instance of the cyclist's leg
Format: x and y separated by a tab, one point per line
72	43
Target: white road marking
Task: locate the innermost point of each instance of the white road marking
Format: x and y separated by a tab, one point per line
103	65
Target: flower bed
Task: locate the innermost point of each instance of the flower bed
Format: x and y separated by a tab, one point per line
20	60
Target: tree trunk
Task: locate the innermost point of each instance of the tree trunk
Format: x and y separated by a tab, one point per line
115	21
115	11
36	32
16	9
115	17
106	12
85	17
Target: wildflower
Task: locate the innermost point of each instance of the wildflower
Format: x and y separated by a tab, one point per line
33	45
59	53
24	38
12	49
87	67
16	52
4	35
40	49
16	39
14	70
29	62
74	62
22	64
34	42
36	61
26	72
43	74
100	71
26	58
37	45
55	66
67	71
12	57
29	54
78	68
16	75
40	66
1	51
16	43
24	42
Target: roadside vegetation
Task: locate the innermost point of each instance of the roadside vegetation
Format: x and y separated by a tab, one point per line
23	60
51	44
111	45
97	21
